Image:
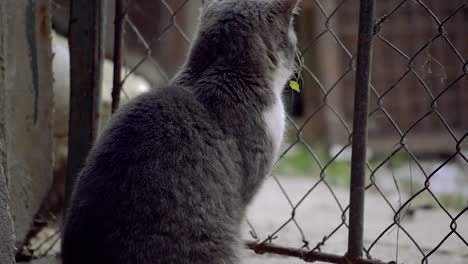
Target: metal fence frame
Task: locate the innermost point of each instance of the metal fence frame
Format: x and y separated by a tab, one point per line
368	31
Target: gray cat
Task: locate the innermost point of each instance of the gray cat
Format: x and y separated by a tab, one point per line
169	180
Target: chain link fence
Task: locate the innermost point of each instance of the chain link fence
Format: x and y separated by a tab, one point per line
416	99
409	129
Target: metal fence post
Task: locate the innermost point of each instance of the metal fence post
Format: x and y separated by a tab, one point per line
361	102
86	58
120	12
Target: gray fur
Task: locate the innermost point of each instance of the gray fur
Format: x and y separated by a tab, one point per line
169	179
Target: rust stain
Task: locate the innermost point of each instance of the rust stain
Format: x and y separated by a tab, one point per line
61	135
43	18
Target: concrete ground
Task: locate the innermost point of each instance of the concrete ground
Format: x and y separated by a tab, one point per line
319	214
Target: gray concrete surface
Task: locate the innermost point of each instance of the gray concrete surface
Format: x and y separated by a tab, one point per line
319	215
7	237
27	92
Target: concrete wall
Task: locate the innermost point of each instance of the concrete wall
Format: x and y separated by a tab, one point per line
7	237
27	103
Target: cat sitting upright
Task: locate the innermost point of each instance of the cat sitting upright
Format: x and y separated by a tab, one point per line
169	180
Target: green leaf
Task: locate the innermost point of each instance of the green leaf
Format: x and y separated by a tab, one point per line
295	86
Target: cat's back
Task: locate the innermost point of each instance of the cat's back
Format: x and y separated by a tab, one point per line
158	123
156	176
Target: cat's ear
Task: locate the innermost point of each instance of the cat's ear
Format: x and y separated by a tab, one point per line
286	8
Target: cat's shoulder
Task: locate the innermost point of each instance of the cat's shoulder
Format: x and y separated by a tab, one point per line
169	107
163	101
165	95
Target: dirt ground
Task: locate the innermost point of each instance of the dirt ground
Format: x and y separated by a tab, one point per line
319	215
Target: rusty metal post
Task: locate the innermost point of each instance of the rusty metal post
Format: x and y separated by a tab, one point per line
361	104
86	58
120	13
305	255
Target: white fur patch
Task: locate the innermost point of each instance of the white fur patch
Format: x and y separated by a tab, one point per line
275	117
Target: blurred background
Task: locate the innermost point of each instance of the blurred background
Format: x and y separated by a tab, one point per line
417	168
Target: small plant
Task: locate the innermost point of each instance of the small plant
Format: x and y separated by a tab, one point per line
295	86
294	83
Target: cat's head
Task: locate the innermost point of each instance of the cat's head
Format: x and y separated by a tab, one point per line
256	32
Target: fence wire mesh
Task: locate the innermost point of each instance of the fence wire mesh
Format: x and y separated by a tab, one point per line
418	95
